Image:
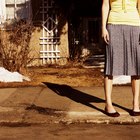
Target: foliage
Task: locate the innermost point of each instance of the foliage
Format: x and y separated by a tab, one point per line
14	46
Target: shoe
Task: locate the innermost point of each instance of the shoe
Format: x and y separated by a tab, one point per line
134	113
115	114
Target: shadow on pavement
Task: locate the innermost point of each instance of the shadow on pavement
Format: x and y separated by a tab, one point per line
42	110
75	95
78	96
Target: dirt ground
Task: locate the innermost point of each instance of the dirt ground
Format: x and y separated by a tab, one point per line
71	132
72	76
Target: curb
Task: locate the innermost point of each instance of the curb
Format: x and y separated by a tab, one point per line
64	117
70	117
53	116
66	121
98	118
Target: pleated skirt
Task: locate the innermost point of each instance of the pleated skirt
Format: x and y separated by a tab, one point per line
123	50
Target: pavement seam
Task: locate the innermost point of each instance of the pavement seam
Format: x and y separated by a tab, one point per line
32	103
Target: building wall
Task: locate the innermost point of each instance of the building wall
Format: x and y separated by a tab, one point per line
36	47
21	9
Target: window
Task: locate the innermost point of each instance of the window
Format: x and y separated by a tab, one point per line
2	11
17	9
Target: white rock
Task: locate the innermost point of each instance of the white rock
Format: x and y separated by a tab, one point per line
7	76
121	80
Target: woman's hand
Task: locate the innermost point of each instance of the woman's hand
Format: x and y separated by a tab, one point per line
105	35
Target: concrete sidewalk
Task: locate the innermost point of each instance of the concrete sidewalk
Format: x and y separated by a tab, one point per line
52	103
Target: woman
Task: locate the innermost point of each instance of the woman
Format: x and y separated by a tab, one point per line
121	30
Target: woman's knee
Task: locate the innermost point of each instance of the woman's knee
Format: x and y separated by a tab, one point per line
135	77
110	77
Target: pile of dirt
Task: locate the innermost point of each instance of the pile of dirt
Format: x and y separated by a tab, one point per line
72	76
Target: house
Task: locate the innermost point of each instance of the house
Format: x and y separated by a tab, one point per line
61	26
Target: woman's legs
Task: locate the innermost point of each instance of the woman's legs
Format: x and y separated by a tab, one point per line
135	89
135	81
108	91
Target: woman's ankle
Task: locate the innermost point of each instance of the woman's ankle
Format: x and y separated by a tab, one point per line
136	108
109	108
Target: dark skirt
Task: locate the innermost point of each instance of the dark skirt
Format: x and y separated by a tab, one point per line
123	51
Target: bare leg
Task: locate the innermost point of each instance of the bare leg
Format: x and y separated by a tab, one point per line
108	91
135	89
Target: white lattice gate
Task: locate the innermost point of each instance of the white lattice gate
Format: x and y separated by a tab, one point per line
49	52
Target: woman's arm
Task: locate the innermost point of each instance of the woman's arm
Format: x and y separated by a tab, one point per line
139	6
105	12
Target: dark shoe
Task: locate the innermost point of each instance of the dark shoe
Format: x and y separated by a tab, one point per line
134	113
115	114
